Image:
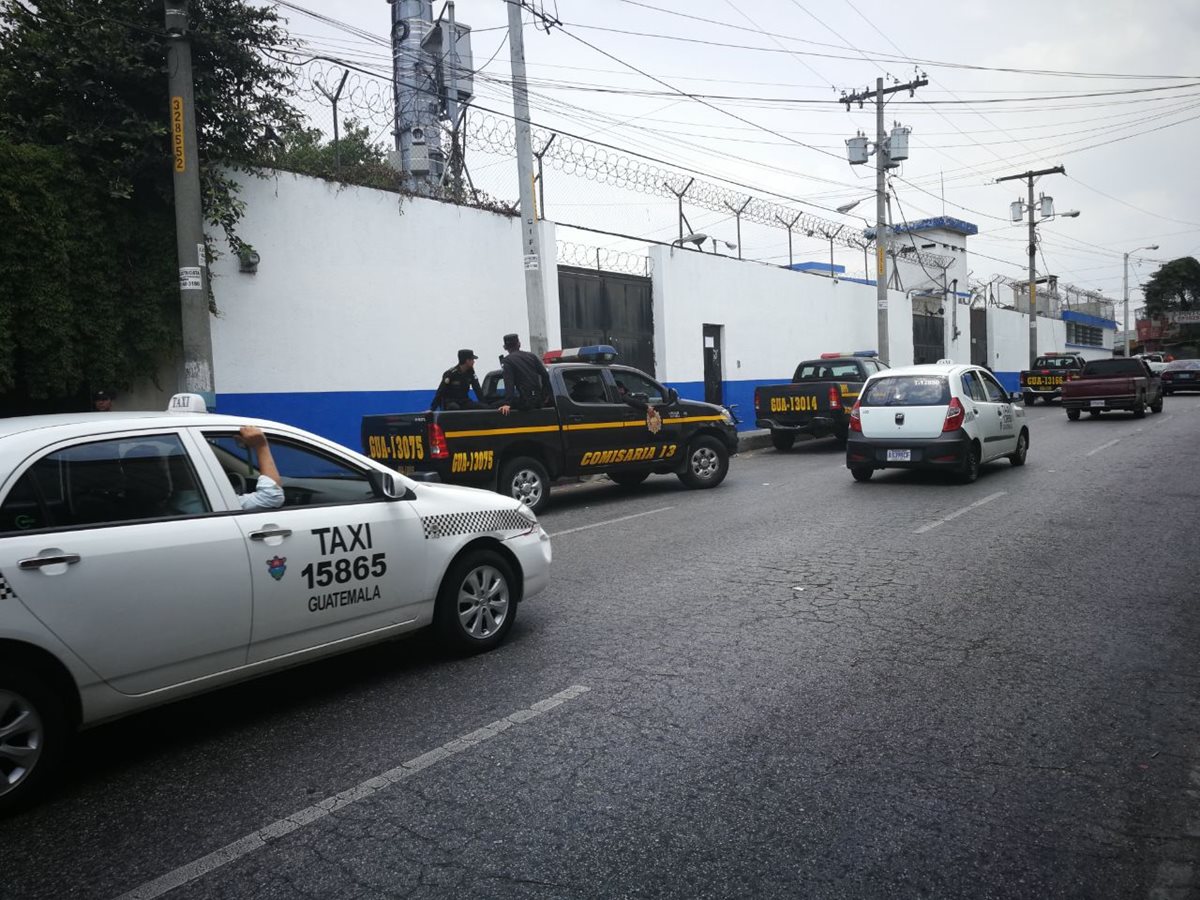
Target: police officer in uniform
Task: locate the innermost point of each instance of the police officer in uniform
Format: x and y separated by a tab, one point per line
452	393
526	381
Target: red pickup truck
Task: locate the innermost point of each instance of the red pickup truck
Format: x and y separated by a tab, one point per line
1106	384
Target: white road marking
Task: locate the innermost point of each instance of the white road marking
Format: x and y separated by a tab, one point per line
611	521
258	839
954	515
1103	446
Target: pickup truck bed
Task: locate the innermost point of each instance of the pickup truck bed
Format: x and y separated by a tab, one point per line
1113	384
817	402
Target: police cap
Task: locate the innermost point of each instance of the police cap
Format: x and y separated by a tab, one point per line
464	355
511	341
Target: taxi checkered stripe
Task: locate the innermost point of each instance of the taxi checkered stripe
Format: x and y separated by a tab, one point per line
6	592
479	522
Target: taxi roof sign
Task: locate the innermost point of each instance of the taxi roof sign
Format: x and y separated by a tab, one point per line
187	403
594	353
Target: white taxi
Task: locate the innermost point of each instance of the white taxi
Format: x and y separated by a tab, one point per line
131	576
936	416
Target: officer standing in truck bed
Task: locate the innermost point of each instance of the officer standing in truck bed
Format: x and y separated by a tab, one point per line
452	392
526	381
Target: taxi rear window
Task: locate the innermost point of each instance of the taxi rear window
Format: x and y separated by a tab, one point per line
907	390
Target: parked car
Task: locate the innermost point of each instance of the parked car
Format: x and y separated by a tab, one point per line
818	400
1156	361
1108	384
130	574
1181	375
598	423
944	416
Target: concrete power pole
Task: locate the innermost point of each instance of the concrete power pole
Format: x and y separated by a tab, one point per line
197	376
1030	177
531	242
883	162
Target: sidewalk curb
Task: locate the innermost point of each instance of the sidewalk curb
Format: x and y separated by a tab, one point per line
754	439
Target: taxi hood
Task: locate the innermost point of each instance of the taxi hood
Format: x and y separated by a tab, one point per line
460	498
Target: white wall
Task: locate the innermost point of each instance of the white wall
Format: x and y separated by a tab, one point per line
1008	338
361	301
772	317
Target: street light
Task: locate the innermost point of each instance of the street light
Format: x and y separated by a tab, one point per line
698	239
1018	210
1125	291
846	207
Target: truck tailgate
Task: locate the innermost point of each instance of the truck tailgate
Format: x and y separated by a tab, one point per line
799	404
1086	388
400	441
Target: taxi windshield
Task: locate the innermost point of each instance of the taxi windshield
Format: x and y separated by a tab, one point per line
907	390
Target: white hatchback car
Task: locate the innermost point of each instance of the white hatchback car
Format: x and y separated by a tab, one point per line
131	576
938	416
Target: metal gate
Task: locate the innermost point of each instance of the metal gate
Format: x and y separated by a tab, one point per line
929	338
979	338
598	307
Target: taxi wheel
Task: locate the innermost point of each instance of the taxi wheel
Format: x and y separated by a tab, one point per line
477	602
33	733
783	440
1017	457
627	479
862	473
970	466
707	463
526	479
1073	414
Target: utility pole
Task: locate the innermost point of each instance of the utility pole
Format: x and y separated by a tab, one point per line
531	242
1030	177
884	160
1125	292
189	218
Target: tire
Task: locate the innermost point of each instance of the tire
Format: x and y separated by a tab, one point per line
1017	457
862	474
1157	405
1073	415
1139	411
783	440
707	463
476	603
526	479
1030	399
1094	413
970	466
33	736
627	479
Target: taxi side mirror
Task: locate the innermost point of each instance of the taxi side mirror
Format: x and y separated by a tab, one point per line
1016	397
388	486
672	395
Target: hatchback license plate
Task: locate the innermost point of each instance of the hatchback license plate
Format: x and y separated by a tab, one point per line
899	456
1097	403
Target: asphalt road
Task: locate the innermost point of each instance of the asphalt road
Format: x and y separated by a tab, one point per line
796	686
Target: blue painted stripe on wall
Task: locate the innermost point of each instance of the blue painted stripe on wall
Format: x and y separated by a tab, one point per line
336	415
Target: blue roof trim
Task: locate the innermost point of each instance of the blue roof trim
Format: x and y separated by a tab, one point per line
1084	319
816	267
947	223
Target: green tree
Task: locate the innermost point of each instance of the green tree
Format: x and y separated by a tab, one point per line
1175	286
355	159
87	176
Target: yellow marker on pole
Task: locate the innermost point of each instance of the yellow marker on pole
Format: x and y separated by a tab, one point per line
177	143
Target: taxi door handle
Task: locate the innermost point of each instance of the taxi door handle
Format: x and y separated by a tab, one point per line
574	418
270	533
36	562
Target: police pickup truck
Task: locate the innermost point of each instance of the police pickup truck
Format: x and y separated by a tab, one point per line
1046	378
819	399
605	418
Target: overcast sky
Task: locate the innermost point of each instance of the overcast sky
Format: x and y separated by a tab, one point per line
1134	185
